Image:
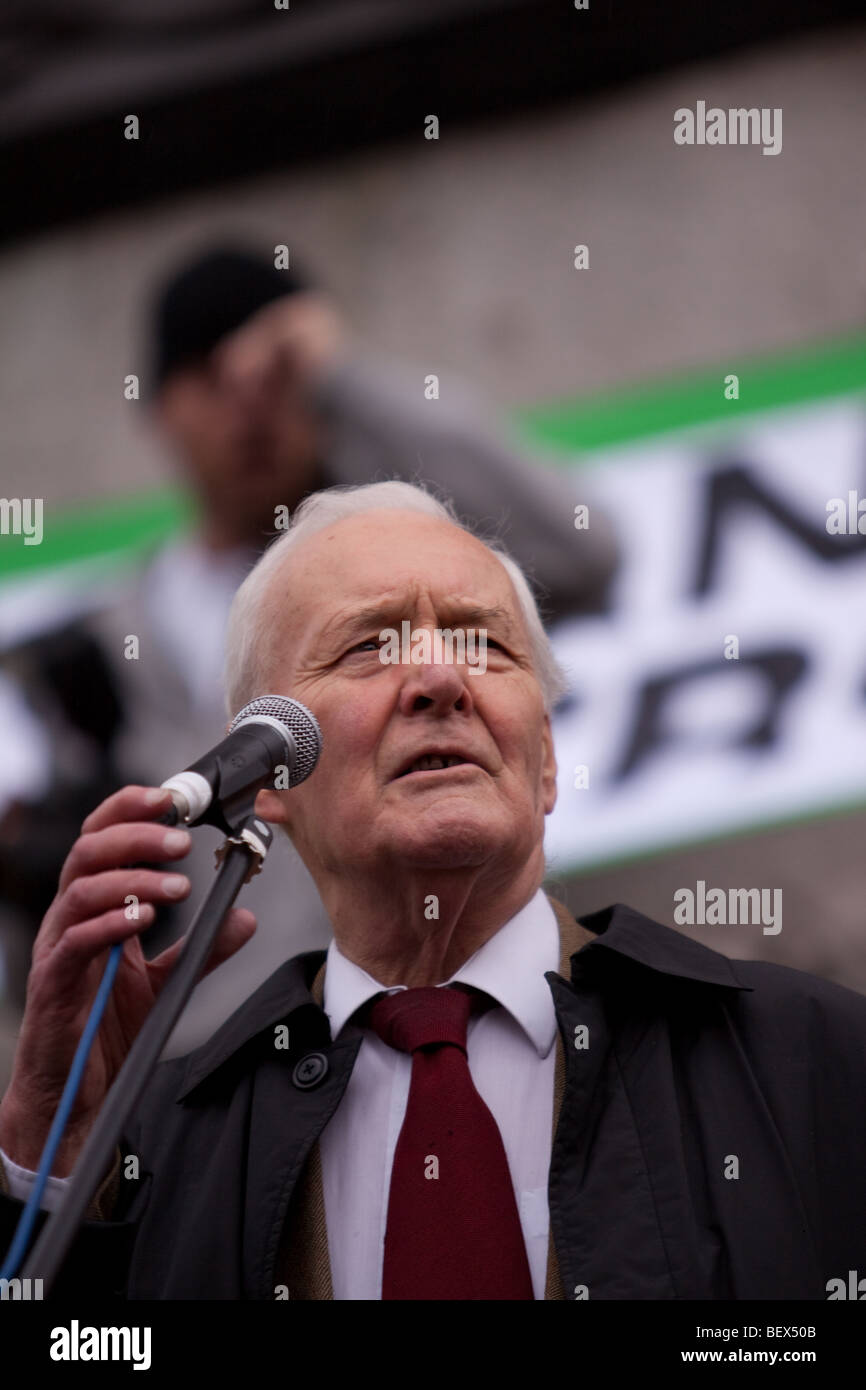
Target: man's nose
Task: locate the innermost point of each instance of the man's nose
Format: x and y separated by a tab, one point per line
438	686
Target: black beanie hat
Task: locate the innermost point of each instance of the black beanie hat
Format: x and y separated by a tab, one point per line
208	298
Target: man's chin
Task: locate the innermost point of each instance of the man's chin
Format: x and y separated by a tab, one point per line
438	840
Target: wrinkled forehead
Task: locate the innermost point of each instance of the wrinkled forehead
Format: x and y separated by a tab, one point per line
403	558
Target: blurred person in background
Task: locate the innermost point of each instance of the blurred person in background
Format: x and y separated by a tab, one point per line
261	397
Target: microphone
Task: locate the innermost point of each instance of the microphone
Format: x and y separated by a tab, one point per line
270	734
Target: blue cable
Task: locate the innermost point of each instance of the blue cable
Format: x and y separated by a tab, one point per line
24	1229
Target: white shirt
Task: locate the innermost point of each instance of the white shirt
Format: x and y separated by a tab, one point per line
511	1057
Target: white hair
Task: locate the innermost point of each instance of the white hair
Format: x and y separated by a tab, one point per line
246	663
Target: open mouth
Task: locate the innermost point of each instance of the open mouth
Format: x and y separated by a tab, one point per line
436	762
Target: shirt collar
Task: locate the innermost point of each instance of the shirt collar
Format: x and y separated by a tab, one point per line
510	967
618	931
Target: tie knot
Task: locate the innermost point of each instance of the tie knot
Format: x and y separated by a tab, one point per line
415	1018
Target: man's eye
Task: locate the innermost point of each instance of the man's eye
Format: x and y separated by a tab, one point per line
372	643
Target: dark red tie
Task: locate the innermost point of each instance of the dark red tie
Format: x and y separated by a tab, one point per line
453	1230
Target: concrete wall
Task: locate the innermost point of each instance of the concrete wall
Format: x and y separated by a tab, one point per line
458	254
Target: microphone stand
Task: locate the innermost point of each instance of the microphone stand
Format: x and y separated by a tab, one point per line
239	857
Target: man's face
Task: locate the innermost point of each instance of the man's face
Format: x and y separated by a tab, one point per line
242	455
361	810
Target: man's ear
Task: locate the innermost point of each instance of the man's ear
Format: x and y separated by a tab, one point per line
548	768
271	806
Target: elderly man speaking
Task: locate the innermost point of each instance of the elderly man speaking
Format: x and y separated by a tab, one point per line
480	1097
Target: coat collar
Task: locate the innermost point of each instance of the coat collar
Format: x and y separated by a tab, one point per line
629	933
285	993
617	929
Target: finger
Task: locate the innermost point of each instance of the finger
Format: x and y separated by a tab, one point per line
242	361
83	943
120	846
248	351
129	804
235	932
287	372
86	898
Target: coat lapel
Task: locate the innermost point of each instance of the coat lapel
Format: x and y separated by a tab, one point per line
572	936
727	1203
685	1191
304	1253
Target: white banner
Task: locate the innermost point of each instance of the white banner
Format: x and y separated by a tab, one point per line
727	686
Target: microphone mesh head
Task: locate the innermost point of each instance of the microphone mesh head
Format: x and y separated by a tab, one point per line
300	722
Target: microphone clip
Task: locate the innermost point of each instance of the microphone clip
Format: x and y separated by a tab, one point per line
257	836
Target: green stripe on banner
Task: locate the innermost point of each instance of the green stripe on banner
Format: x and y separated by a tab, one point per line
836	369
94	530
120	525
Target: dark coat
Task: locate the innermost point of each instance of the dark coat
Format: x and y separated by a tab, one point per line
711	1141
